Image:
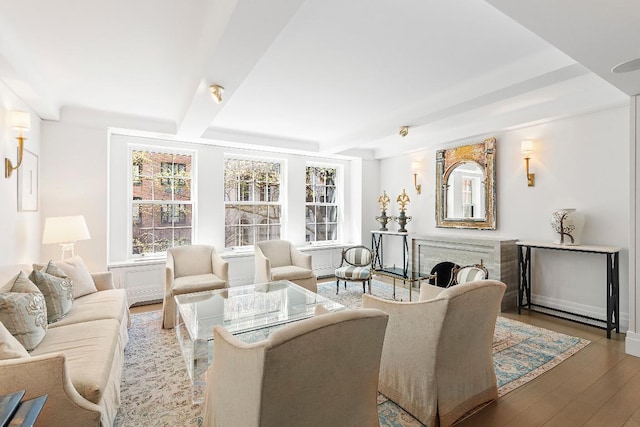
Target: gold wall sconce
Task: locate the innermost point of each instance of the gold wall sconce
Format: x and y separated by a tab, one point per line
415	167
216	92
404	131
527	148
20	121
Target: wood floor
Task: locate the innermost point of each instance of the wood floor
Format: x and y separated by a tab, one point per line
599	386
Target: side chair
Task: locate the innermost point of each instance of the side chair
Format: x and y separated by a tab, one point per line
355	266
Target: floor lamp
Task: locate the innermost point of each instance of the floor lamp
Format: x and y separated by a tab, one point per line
65	230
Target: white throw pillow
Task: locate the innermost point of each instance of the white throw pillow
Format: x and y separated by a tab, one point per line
82	281
10	348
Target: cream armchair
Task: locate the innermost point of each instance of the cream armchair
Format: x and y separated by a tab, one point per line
321	371
437	360
191	268
280	260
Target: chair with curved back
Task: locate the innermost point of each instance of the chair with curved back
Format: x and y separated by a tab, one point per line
280	260
437	358
470	273
321	371
191	268
355	267
443	274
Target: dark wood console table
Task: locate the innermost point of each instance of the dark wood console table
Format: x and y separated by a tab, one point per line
612	254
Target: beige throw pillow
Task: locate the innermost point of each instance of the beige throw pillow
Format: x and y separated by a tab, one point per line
82	281
75	269
10	348
57	291
23	312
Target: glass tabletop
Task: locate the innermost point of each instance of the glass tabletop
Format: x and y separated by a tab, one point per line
243	309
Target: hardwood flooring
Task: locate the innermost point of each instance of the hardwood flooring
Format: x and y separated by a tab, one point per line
599	386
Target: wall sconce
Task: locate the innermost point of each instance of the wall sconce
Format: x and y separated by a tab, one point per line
216	92
415	167
527	148
65	230
21	121
404	131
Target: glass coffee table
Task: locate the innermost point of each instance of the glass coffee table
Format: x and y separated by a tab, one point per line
249	312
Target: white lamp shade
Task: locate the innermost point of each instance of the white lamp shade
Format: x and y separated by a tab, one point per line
20	120
416	166
526	147
65	229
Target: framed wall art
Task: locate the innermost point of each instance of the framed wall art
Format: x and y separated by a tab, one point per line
28	183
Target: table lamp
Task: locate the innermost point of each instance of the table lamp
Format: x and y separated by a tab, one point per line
65	230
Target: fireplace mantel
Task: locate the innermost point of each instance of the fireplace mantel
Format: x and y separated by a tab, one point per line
499	256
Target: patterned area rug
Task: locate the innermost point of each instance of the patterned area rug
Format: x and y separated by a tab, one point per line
156	388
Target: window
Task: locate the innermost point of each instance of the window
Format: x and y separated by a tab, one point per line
161	206
321	217
252	201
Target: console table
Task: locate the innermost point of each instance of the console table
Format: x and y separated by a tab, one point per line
378	254
612	255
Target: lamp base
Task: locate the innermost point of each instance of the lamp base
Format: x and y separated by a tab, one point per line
67	248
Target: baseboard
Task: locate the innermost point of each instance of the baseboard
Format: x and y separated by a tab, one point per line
578	309
632	344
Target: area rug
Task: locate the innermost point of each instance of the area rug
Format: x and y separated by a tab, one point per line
155	388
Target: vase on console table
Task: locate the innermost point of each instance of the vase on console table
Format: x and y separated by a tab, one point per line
402	221
567	225
383	220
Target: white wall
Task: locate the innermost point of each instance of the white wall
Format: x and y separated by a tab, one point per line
633	334
20	231
580	162
74	182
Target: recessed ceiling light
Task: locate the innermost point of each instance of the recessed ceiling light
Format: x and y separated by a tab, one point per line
627	66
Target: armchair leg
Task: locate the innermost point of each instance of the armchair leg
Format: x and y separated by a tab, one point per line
337	286
369	283
363	289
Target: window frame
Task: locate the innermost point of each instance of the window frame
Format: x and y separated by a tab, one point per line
133	181
281	203
338	203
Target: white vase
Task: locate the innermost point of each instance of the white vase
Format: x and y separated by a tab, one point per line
567	225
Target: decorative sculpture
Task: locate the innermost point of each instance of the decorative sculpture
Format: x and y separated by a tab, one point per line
403	200
383	219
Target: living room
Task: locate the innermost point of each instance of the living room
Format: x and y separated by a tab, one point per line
582	120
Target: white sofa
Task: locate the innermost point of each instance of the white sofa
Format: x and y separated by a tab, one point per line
79	362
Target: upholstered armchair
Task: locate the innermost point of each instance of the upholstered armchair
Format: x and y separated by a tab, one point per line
191	268
355	267
280	260
469	273
437	359
321	371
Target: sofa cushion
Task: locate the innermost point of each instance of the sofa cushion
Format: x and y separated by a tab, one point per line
10	348
290	272
89	349
23	311
354	273
197	283
57	292
109	304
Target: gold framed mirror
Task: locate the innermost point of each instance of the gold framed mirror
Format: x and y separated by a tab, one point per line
466	186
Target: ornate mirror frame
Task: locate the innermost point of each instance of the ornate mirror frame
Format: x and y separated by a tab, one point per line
483	154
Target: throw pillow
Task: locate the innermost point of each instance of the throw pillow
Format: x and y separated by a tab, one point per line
57	291
23	312
82	281
10	348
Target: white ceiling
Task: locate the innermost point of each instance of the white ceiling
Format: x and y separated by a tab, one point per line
322	75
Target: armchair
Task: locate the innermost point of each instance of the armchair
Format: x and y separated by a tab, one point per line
437	359
191	268
321	371
280	260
